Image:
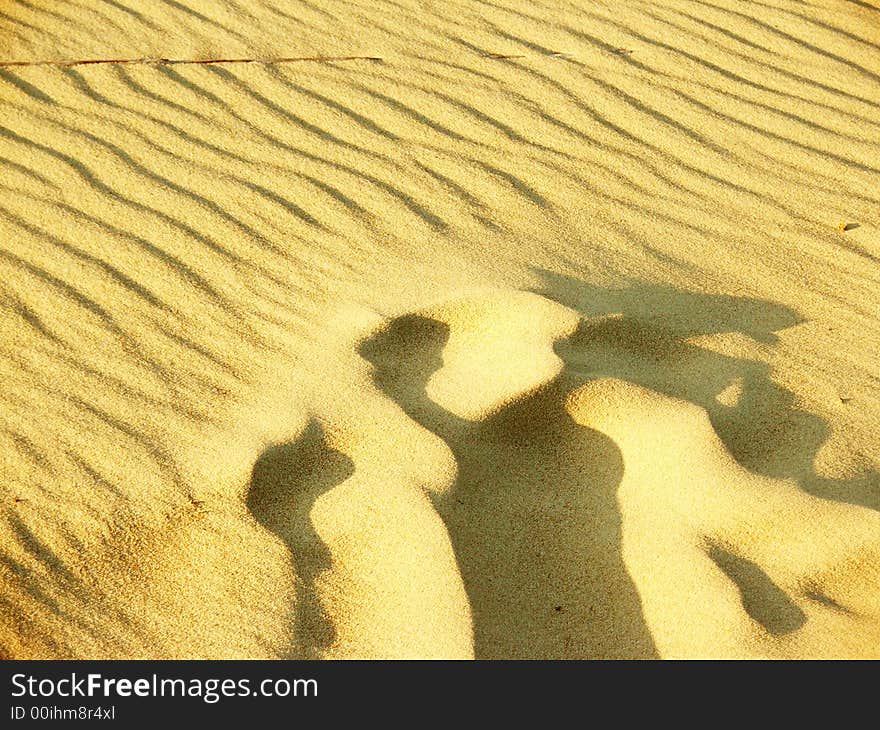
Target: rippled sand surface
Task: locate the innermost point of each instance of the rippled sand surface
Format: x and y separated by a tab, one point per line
416	329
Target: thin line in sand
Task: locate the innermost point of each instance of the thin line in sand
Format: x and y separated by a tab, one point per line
178	61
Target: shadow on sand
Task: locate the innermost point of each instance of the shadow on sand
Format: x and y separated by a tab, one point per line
533	516
286	481
763	429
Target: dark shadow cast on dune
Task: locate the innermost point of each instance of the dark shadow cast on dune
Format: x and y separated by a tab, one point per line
762	599
286	481
645	342
533	516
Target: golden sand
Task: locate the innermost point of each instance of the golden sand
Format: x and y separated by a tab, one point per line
496	329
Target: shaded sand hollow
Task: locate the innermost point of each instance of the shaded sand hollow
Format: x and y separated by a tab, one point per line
495	329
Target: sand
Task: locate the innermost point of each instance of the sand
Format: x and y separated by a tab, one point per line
484	329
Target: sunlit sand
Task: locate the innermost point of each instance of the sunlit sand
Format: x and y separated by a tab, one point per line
505	329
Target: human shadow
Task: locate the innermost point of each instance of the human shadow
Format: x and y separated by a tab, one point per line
532	517
644	341
286	481
533	514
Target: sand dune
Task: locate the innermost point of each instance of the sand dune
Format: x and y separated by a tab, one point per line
407	329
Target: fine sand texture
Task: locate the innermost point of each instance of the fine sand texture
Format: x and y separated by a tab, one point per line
387	328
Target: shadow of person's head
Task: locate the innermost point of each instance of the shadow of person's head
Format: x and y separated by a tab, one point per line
405	355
